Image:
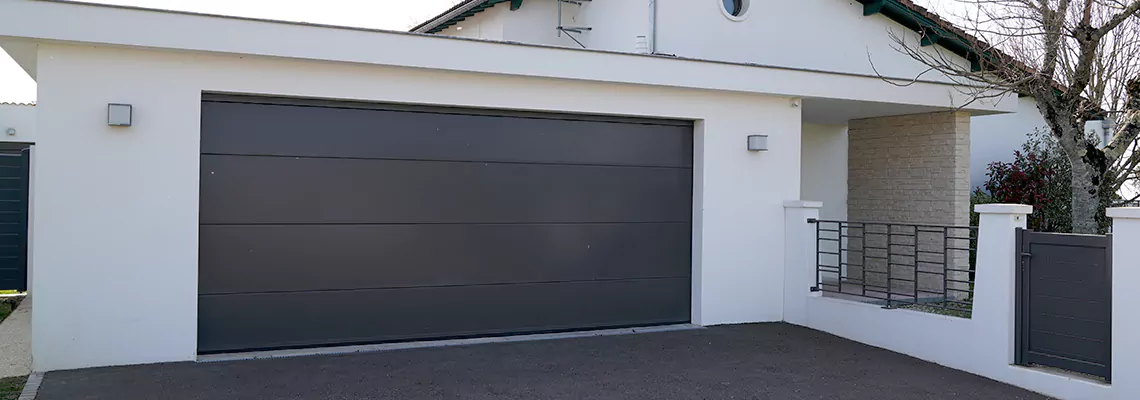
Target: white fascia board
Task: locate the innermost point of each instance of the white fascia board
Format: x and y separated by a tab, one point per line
96	24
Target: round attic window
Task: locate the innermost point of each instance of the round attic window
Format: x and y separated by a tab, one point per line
734	9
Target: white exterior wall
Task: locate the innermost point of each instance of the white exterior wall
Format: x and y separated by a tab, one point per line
487	25
116	209
616	23
824	168
995	137
776	33
985	344
22	119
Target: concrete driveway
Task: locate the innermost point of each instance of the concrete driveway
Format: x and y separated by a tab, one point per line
757	361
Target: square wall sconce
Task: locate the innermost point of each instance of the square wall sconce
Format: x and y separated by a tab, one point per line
757	142
119	114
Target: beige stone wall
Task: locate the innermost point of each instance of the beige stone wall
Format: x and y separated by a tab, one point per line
910	169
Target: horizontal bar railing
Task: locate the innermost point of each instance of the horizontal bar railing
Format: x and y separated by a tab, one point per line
897	265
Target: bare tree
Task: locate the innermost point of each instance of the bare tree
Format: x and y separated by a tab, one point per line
1080	61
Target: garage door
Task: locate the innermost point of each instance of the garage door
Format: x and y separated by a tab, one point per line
329	223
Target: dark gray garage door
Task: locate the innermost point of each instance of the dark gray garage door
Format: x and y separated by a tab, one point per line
330	223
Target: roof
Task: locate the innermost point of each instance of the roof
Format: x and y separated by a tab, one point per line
5	103
460	12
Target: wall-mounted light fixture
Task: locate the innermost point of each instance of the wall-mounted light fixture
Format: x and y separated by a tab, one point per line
757	142
119	114
11	131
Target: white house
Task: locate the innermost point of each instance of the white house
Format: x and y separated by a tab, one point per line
773	34
246	184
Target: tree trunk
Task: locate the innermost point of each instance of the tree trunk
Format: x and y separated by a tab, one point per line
1086	194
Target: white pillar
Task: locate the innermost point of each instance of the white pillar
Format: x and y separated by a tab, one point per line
799	258
1125	301
995	280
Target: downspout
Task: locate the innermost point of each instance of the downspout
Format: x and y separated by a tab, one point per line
652	26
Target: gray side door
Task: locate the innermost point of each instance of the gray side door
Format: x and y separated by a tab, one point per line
15	165
335	223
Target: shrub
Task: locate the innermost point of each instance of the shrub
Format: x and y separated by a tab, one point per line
1038	176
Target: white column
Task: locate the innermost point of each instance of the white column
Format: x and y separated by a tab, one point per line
994	280
799	258
1125	300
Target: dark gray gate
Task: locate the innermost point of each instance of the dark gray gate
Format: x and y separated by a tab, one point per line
1064	311
14	165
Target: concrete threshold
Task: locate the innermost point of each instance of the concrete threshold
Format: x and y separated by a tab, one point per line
317	351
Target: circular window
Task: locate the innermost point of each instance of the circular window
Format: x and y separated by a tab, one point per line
735	9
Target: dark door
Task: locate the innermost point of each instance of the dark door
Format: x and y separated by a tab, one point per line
14	166
334	223
1064	290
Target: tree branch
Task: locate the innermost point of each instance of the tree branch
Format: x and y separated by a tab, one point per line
1116	20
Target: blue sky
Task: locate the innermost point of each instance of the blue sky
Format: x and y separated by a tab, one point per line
16	86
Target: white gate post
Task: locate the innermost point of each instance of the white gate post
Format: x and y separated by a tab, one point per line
995	280
800	258
1125	301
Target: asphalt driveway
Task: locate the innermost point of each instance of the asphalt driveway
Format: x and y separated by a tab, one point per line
757	361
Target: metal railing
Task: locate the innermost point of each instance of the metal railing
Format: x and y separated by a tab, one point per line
897	265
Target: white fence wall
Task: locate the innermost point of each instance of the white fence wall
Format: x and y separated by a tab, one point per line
983	345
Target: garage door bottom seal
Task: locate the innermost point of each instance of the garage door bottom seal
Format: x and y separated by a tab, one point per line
258	355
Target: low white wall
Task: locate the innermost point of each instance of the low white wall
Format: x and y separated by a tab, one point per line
22	118
116	209
824	168
983	345
949	341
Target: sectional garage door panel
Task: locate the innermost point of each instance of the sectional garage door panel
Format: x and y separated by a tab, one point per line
275	258
278	320
340	223
292	130
301	190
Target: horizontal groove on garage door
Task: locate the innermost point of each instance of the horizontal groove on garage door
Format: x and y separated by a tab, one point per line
261	129
251	189
434	109
258	321
289	258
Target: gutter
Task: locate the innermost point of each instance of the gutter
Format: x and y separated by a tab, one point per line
447	16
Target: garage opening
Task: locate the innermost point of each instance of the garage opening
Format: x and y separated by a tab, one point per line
335	223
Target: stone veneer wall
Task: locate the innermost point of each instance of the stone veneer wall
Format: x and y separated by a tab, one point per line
910	169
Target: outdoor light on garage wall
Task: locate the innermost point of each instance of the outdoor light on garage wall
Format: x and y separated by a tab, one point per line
119	114
757	142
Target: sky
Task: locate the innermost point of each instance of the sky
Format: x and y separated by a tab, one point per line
17	86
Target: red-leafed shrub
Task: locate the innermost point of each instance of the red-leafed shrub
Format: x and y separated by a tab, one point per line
1038	176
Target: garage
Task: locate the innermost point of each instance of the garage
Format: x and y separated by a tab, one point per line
333	223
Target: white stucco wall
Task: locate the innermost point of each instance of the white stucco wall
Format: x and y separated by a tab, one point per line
777	33
996	137
829	35
824	168
22	118
488	24
127	221
616	23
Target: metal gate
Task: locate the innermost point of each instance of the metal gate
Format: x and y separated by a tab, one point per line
14	164
1064	310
